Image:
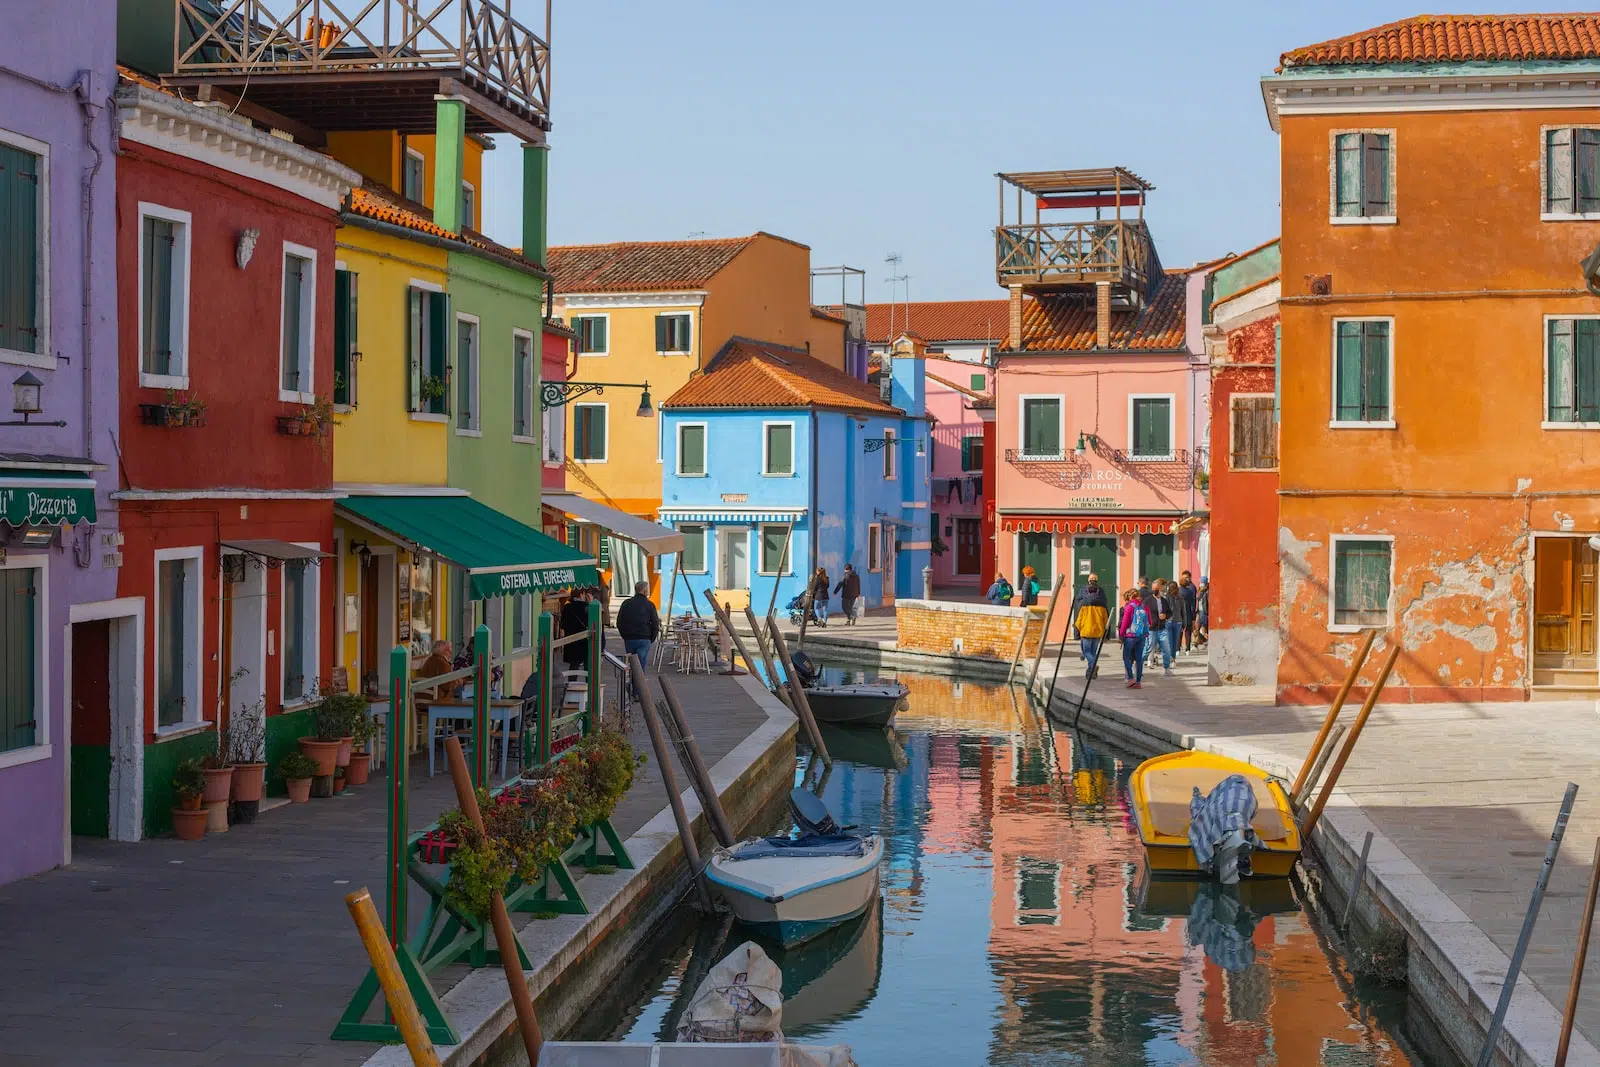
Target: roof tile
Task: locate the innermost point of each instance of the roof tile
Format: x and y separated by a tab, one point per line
756	374
1454	38
937	321
373	201
642	266
1067	323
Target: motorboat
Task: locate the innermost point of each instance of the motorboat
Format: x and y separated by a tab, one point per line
851	704
882	749
832	978
1201	814
791	889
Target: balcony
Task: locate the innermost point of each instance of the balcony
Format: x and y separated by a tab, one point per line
325	65
1060	248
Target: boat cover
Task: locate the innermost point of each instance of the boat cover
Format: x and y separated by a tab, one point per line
800	847
740	1000
1230	806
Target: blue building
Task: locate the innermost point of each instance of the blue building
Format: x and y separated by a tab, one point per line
767	447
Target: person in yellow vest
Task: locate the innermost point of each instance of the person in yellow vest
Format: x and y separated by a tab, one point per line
1090	614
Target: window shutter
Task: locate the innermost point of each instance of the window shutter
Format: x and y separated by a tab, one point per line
19	249
352	321
293	293
1586	372
1347	373
441	353
1558	185
341	337
1244	417
1265	433
979	383
966	453
662	324
1375	174
1586	163
572	534
1347	174
605	552
415	332
1559	402
157	296
1375	372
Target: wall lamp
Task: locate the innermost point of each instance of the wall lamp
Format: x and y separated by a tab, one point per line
25	401
1085	442
362	551
556	394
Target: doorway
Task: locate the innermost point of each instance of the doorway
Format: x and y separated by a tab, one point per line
244	639
1564	603
105	720
1157	556
733	557
968	553
1097	556
376	635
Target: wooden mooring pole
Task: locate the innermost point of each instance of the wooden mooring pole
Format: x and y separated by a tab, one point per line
1349	746
1571	1014
669	778
1355	883
697	769
395	991
1333	716
1322	761
1050	613
797	692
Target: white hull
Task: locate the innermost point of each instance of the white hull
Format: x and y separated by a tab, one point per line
792	899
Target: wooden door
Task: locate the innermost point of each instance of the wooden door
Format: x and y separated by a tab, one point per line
1583	602
1564	601
367	654
1097	556
968	557
91	728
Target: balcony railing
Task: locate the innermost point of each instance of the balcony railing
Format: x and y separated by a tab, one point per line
1068	253
1177	470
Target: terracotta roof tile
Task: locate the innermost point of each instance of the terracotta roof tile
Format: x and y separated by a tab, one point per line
755	374
1067	323
1456	38
937	321
825	313
373	201
642	266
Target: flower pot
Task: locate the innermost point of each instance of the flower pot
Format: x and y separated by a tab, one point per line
356	773
338	784
217	816
344	752
324	753
190	804
299	790
248	781
219	783
189	823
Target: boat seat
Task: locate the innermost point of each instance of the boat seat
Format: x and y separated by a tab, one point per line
1168	793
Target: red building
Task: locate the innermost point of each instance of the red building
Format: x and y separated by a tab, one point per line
229	306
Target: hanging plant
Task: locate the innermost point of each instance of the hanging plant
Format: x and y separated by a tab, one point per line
525	830
597	773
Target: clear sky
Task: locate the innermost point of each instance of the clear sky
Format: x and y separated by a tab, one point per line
869	127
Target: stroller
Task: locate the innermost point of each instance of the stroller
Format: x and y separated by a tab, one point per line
797	609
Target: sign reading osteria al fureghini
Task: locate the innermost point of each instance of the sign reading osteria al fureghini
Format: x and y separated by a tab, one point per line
532	580
47	505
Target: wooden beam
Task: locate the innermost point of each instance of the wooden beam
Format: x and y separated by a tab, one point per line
309	136
504	118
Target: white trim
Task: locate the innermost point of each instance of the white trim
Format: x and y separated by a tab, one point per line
469	220
181	729
1016	558
422	191
1458	89
1334	422
688	351
891	461
1334	541
1022	424
32	754
874	548
426	286
766	458
126	822
1172	428
1231	422
44	358
705	449
474	427
312	611
1545	422
705	557
577	340
582	302
429	416
1336	219
181	259
1544	177
534	360
607	442
42	747
786	553
194	655
308	324
725	509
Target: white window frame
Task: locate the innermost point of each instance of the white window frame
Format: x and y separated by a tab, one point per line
422	193
1055	547
1022	425
1172	426
181	258
891	461
1259	396
45	358
786	553
705	555
469	219
308	326
313	612
1334	422
705	449
577	340
474	428
534	356
554	424
41	749
1334	541
1337	219
874	548
193	661
1544	372
1544	183
607	437
686	351
766	453
1018	910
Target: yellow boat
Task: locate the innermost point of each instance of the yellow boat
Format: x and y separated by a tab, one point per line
1161	790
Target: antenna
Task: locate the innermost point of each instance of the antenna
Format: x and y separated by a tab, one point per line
895	279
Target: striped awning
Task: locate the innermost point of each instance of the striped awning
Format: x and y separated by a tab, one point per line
1088	524
737	514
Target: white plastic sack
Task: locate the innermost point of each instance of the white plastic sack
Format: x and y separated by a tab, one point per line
740	1000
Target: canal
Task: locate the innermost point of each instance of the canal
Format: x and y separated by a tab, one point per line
1017	925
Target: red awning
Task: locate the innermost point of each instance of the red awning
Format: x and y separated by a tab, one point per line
1087	524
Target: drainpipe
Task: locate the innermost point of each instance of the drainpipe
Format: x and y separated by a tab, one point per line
815	524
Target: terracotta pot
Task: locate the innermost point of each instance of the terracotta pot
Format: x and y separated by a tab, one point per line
324	753
356	773
189	804
248	781
219	783
299	789
190	823
344	751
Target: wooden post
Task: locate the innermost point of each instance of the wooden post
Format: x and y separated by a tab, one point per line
797	692
480	707
401	712
1349	746
505	937
672	590
1570	1015
669	778
1055	596
1333	715
1322	761
1355	883
724	620
1022	639
766	660
697	768
783	558
591	714
395	991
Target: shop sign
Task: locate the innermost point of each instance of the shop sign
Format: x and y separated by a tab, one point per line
38	505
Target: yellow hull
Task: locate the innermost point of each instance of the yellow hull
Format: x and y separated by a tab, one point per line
1161	789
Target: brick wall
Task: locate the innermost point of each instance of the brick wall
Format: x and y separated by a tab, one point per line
983	629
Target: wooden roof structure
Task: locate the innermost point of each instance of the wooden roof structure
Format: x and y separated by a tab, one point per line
1093	180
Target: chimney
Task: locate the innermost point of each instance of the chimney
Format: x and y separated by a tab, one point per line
1014	340
1102	314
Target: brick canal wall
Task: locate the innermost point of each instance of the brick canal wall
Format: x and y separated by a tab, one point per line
947	628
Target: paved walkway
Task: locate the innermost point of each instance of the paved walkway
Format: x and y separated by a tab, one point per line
237	949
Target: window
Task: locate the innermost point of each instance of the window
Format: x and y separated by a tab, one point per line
468	360
874	548
522	621
411	176
1362	373
163	297
1572	371
672	334
589	433
972	452
299	338
889	464
693	560
469	206
23	721
1362	176
178	633
428	350
1038	892
24	251
346	348
979	382
777	449
692	449
555	435
775	549
299	629
1361	577
422	606
1037	550
522	372
592	333
1571	172
1255	434
1041	427
1150	427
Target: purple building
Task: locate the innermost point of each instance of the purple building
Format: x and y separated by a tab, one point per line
65	641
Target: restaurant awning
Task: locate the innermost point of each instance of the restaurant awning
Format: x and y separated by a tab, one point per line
45	497
732	515
273	552
655	539
1087	524
500	555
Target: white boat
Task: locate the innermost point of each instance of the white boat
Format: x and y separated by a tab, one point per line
793	888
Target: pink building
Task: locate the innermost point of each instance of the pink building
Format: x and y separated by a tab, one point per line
554	352
958	396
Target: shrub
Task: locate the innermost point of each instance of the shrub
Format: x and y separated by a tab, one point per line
1380	956
188	780
596	773
520	840
297	765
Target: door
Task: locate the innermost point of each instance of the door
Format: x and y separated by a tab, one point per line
968	556
1157	556
368	640
91	728
1097	556
733	557
18	604
1564	601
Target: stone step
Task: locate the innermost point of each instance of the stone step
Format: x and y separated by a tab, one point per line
1584	676
1565	692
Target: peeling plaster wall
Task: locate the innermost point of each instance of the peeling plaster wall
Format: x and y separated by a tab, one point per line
1244	655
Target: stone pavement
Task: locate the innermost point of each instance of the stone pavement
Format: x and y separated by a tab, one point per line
238	949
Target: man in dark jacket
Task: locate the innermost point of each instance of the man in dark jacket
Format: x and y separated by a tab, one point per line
637	622
849	590
1189	598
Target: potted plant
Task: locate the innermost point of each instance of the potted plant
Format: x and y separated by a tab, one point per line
297	769
338	780
313	420
362	729
247	749
343	711
189	817
217	770
329	737
185	410
432	388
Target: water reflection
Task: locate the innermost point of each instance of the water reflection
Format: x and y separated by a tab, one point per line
1018	925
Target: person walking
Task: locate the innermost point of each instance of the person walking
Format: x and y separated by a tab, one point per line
1170	609
819	596
575	620
638	624
1134	629
1203	604
849	590
1000	592
1030	588
1189	601
1151	602
1090	615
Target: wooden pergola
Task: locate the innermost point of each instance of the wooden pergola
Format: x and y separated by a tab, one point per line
1051	254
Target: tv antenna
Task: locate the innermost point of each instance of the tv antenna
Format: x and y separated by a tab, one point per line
896	279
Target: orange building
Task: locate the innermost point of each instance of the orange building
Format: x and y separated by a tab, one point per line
1440	365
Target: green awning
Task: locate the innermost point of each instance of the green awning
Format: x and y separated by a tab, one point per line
45	498
500	555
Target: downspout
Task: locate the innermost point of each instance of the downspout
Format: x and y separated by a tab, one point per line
84	88
816	520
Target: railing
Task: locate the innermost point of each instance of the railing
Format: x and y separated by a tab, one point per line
1176	470
1112	250
477	37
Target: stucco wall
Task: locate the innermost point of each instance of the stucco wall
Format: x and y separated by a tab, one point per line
765	293
377	154
954	421
982	630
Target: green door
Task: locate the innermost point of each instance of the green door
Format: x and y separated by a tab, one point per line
1097	556
1156	556
17	726
1035	550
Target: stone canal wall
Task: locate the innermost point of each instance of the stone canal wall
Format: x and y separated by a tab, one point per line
943	627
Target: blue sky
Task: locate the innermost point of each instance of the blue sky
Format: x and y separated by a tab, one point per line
876	126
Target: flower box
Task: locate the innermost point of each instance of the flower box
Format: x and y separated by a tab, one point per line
170	415
297	426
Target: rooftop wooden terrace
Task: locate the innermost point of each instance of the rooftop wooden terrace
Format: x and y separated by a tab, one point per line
1052	253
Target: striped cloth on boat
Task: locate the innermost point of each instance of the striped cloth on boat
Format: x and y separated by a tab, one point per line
1229	806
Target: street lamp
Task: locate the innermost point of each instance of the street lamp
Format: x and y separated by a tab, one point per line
1091	439
557	394
25	401
645	410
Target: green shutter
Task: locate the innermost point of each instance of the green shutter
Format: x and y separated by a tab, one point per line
693	560
572	534
415	327
780	450
1347	373
466	371
1586	164
352	324
691	449
293	292
1375	372
1361	582
605	553
440	353
1375	175
1558	184
18	728
1347	175
20	242
157	237
662	333
1152	432
966	453
773	541
1586	371
978	383
1034	550
1041	427
341	336
1558	356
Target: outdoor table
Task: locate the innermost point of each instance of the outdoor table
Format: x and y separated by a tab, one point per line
502	711
379	710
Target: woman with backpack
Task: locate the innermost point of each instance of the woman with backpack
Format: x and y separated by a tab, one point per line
1134	630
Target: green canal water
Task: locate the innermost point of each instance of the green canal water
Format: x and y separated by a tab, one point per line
1018	926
